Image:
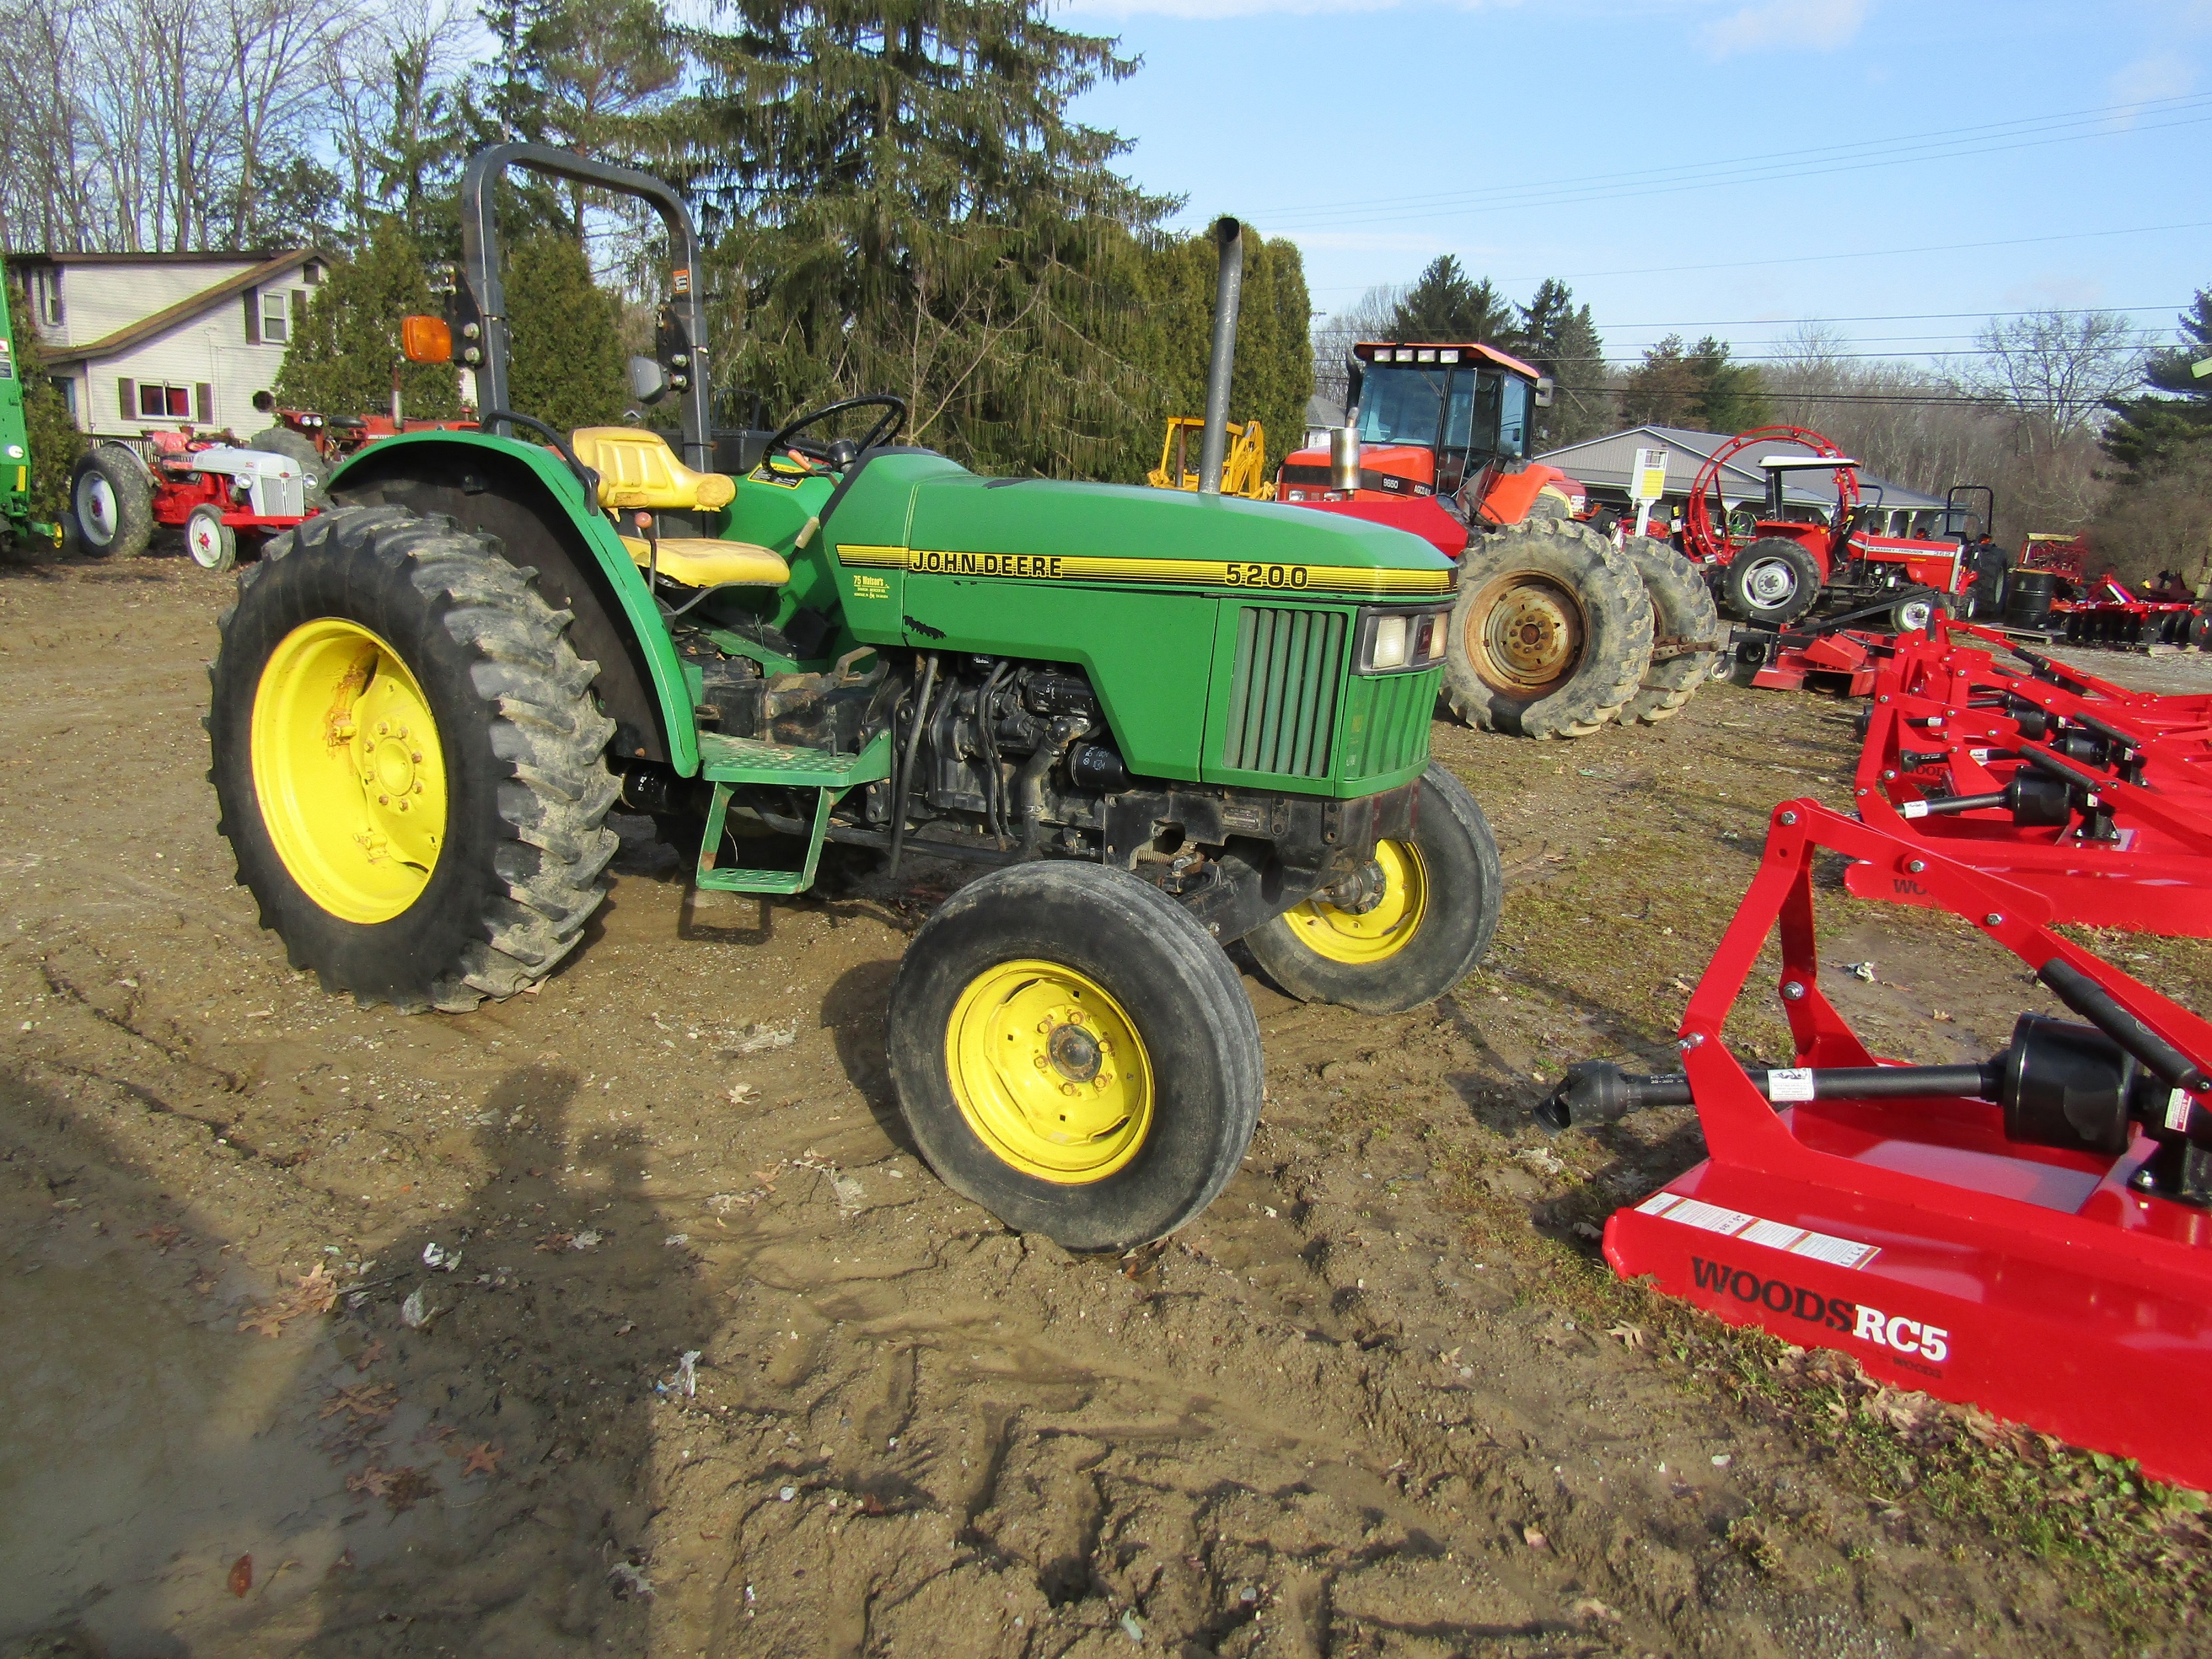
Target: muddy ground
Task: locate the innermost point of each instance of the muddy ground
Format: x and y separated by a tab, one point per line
713	1366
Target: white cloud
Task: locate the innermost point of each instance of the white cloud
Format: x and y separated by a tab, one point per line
1792	25
2161	74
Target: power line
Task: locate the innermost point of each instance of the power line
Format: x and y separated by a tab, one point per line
1766	170
1992	406
1870	254
2038	122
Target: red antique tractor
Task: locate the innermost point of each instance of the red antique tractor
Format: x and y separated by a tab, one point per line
1556	630
1774	565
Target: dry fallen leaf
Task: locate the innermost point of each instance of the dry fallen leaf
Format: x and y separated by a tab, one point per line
483	1459
1589	1610
241	1576
1631	1335
1940	1017
1535	1540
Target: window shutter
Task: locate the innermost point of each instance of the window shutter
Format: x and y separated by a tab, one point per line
299	310
127	395
203	401
253	316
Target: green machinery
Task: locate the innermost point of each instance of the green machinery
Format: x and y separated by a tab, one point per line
16	521
1161	722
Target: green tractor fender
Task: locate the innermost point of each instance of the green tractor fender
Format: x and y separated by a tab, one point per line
525	495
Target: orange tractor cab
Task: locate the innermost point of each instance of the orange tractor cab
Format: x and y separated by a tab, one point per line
1442	436
1773	565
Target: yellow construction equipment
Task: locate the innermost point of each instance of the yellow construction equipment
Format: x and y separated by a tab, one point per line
1244	471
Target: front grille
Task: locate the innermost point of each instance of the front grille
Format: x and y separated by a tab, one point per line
1283	697
1386	728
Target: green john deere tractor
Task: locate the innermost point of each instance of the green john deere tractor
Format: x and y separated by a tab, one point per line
16	521
1167	721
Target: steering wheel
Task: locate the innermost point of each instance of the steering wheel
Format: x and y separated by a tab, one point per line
838	453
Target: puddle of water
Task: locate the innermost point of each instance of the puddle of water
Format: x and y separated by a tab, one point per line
141	1455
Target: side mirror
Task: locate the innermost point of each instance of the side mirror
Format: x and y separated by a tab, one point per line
426	340
648	381
1544	386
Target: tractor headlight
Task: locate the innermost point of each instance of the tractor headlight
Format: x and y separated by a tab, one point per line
1400	641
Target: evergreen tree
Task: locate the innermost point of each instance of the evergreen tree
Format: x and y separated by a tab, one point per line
898	201
566	361
1445	303
1662	390
2152	431
1731	396
55	443
1694	386
1272	377
343	352
1559	337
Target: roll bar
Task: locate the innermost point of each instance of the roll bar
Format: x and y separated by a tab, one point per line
682	335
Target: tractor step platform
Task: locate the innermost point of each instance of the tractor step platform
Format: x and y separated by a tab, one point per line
733	763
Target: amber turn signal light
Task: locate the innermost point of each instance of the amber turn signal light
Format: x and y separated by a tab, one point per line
426	340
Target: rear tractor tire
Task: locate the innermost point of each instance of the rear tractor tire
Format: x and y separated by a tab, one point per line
1421	917
1684	618
1075	1054
1551	634
408	760
1773	581
112	502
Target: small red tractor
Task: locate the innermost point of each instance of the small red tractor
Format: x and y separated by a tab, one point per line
225	497
1772	566
206	486
1555	629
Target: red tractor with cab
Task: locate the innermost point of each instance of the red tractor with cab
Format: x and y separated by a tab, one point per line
1557	631
1773	564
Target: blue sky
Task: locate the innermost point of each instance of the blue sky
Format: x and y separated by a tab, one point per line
1769	146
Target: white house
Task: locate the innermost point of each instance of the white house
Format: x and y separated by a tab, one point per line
138	342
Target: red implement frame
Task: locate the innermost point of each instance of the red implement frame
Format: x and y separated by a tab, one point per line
1843	664
1938	708
1911	1235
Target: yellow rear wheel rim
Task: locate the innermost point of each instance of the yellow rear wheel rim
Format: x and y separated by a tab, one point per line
1362	938
1048	1071
349	770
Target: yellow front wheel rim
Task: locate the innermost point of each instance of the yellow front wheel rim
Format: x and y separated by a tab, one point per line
1048	1071
1365	937
349	770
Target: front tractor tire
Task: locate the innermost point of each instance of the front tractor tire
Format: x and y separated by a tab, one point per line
112	502
1075	1054
1408	928
408	760
1550	632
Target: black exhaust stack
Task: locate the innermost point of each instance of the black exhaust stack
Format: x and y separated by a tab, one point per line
1228	293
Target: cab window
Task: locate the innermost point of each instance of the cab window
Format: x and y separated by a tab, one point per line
1401	405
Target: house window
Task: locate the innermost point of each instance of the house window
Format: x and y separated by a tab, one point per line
165	402
275	319
46	296
311	272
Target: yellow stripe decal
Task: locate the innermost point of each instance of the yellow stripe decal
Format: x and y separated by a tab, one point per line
1211	573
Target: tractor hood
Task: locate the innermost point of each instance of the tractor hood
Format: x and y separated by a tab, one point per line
960	524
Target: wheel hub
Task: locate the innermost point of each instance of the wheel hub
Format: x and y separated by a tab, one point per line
348	770
96	507
1388	917
1525	633
1076	1053
1048	1071
1771	582
1360	892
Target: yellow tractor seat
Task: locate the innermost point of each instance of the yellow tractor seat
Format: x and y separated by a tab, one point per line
636	468
705	561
